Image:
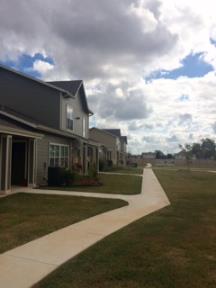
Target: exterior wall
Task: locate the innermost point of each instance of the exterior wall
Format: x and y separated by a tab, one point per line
148	155
123	156
78	115
107	141
43	156
30	98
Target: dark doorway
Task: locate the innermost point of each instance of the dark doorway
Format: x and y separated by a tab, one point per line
18	176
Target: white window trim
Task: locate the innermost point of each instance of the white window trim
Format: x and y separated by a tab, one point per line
84	127
71	106
60	145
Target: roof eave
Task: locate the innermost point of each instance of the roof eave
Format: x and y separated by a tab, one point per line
90	113
35	79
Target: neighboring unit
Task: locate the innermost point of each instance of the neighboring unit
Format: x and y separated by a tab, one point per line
113	146
42	125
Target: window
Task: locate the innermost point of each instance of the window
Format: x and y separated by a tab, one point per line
58	155
118	144
70	122
84	127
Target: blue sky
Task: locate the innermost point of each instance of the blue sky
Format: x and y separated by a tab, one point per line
192	66
142	38
25	62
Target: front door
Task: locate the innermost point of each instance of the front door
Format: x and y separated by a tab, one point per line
19	169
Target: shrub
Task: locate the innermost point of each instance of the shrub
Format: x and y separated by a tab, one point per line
58	176
93	173
69	177
77	167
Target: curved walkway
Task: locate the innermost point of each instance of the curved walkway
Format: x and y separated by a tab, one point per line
25	265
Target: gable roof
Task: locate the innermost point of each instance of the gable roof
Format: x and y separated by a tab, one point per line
73	86
66	93
103	131
115	132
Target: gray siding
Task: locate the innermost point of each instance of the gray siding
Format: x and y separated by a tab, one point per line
30	98
107	140
77	113
43	156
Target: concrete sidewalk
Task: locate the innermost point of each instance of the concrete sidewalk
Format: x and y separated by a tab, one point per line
25	265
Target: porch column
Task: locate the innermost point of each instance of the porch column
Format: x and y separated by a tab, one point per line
5	164
32	165
97	158
86	158
82	156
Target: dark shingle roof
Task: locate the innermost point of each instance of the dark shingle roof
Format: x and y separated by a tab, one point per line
12	112
115	132
73	87
25	121
50	85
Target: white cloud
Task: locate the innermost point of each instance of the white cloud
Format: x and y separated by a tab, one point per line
112	45
42	67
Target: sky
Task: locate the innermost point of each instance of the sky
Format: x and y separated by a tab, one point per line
149	66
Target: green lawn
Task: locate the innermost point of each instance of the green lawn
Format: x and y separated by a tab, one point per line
127	170
114	184
167	167
172	248
24	217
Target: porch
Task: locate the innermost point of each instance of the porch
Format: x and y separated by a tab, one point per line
17	158
85	155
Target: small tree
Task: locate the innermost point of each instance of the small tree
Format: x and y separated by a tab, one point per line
187	150
208	147
159	154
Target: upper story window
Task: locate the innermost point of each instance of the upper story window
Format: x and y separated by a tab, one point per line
125	147
118	144
84	127
70	121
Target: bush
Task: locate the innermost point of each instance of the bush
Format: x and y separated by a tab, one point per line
69	177
58	176
105	165
93	173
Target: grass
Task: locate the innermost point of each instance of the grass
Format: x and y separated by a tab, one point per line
114	184
24	217
184	168
127	170
172	248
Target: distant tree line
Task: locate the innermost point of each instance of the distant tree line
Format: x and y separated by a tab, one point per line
204	150
160	155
